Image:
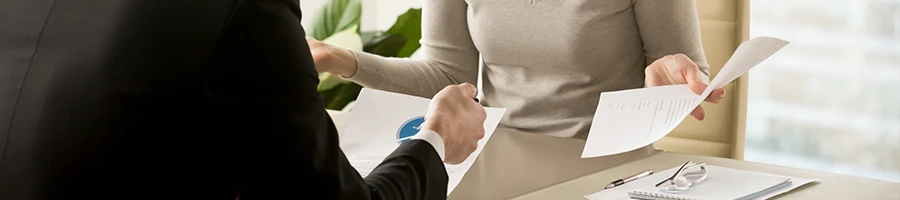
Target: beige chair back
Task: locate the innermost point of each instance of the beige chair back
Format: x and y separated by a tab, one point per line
723	25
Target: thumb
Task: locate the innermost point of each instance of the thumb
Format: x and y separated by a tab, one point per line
690	72
696	83
469	90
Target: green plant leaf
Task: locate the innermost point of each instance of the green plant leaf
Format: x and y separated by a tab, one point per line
336	15
386	45
347	39
401	40
337	98
408	24
371	37
328	81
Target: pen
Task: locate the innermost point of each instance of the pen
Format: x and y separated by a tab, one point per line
619	182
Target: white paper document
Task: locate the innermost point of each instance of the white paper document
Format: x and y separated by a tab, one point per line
380	121
629	119
721	183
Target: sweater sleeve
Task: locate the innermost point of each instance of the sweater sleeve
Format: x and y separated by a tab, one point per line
449	55
670	27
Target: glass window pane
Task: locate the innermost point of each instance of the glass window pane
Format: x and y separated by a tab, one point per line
830	100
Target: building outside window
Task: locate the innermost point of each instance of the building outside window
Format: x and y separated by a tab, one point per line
830	100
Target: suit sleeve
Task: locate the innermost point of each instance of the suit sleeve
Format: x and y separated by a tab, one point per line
261	93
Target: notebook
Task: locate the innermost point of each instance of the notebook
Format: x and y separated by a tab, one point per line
721	183
645	195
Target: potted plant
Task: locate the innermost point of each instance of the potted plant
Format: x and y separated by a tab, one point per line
337	23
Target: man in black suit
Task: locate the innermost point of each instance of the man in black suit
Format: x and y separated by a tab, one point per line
200	99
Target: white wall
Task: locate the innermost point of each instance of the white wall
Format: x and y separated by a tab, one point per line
385	12
309	8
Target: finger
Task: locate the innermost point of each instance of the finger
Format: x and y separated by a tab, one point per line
689	70
697	87
469	90
482	114
698	113
716	95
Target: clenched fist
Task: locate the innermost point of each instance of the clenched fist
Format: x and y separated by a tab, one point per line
458	119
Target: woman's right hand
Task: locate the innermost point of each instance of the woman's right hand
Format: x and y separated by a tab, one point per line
332	59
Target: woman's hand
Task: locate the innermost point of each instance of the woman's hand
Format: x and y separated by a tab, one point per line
332	59
679	69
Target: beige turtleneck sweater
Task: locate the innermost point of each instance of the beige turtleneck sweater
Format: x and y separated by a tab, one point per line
547	61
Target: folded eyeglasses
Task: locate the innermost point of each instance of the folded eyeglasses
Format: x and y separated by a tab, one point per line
688	174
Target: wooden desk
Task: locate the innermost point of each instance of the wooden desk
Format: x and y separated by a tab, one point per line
830	186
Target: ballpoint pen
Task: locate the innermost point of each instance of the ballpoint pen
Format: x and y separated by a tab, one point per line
629	179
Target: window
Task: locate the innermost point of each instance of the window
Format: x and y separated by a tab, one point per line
830	100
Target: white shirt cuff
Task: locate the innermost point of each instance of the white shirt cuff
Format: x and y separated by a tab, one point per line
432	138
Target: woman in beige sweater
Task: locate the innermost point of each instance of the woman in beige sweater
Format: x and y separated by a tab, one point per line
547	61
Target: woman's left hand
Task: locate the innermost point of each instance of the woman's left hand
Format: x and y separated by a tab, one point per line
679	69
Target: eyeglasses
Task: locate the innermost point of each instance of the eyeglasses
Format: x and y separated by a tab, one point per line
688	174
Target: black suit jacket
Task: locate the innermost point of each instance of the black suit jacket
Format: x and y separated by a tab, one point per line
176	99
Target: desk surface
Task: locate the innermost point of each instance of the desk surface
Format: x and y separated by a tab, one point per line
829	186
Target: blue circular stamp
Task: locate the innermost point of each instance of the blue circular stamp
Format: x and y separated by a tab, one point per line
409	129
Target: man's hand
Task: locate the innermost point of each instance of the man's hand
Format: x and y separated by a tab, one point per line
458	119
332	59
679	69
